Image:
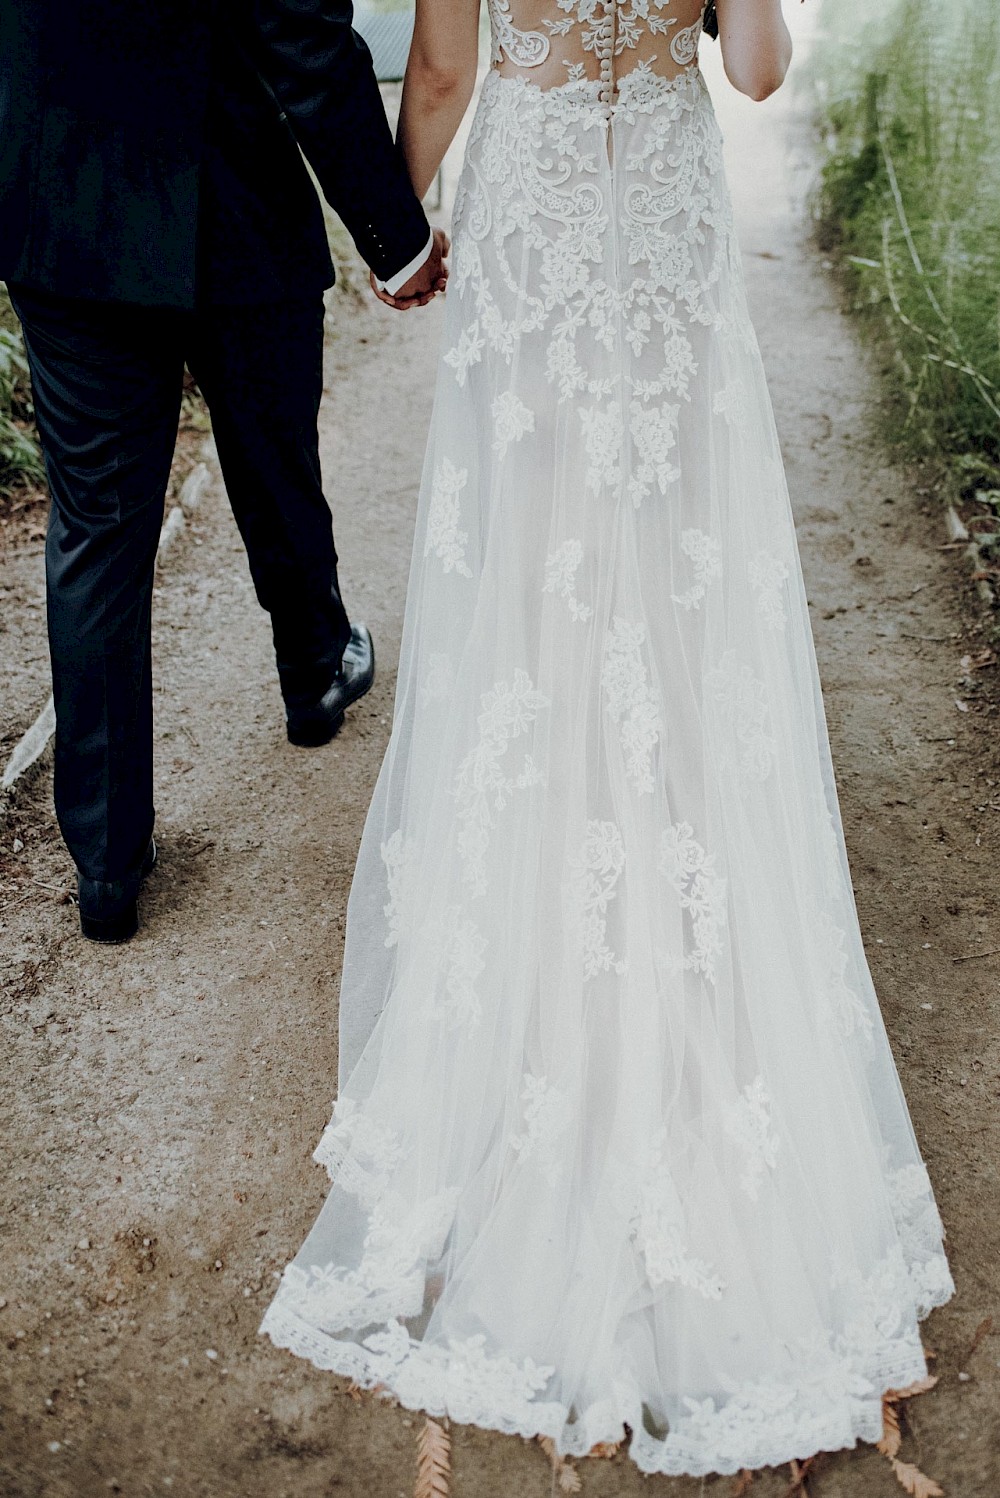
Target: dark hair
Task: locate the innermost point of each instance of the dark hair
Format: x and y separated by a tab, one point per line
710	22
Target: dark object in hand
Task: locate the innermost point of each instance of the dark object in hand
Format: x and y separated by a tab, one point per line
710	24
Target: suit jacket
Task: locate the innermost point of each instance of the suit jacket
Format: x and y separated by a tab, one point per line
150	149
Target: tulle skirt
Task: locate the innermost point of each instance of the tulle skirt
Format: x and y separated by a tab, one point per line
619	1139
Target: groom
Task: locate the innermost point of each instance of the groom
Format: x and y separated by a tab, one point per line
155	211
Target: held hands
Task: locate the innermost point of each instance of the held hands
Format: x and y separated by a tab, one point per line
425	284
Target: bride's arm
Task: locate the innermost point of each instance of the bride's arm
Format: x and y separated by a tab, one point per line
756	46
440	78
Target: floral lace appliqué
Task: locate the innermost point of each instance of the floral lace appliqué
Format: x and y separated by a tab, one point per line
444	537
706	556
701	891
546	1115
768	575
748	1124
439	678
511	420
464	947
482	789
630	700
398	855
657	1227
594	876
741	701
560	577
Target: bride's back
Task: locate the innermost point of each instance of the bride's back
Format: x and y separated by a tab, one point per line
552	42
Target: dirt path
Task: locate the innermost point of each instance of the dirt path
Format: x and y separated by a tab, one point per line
161	1102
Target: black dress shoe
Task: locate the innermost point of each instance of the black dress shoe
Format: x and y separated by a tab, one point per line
109	909
309	727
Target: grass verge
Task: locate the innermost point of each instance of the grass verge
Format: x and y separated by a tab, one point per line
909	207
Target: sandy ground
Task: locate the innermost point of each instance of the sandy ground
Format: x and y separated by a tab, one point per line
161	1101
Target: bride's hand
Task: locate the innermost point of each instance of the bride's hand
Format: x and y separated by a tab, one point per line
425	284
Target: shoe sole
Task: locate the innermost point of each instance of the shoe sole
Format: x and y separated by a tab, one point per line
111	933
122	928
315	738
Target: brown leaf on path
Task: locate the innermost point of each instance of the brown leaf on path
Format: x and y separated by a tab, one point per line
741	1483
915	1482
605	1450
565	1474
433	1461
922	1386
891	1438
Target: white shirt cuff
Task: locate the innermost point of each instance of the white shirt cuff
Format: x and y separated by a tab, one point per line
401	277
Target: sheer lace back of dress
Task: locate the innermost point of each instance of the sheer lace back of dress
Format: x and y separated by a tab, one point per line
555	42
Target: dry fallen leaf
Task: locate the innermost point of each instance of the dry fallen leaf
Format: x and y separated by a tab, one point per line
891	1439
605	1450
566	1475
433	1461
741	1483
915	1482
922	1386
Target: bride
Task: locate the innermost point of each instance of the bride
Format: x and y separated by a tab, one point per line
619	1140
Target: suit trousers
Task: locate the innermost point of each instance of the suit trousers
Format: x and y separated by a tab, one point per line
107	382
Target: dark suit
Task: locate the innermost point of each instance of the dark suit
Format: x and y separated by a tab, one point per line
155	210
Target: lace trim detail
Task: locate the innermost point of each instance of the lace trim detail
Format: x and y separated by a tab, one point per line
528	49
608	28
359	1152
388	1282
829	1399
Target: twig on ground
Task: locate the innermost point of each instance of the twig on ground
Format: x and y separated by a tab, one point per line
800	1475
979	1335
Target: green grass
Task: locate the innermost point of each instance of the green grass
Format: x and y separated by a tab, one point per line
20	459
909	205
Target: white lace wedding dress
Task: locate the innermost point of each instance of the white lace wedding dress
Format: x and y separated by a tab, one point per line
619	1139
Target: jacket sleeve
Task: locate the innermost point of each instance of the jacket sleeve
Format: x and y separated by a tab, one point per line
322	76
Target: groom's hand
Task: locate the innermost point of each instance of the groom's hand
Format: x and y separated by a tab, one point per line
425	284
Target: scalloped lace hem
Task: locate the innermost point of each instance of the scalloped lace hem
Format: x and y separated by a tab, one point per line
801	1419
